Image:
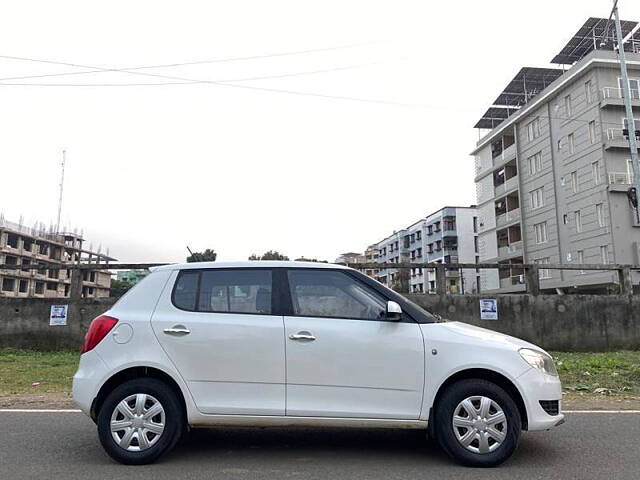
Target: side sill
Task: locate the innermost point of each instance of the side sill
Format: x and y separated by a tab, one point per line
287	421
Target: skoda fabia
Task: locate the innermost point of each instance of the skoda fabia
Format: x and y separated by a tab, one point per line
301	344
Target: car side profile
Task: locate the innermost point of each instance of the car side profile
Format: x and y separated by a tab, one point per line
302	344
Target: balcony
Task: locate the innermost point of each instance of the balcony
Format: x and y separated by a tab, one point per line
506	218
617	139
612	96
514	280
510	250
620	181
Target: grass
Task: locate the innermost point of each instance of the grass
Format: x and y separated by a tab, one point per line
24	371
609	373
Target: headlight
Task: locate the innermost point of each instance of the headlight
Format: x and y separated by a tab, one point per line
539	360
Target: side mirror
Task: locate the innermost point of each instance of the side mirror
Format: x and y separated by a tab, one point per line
393	312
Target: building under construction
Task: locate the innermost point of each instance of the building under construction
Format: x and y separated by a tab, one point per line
28	246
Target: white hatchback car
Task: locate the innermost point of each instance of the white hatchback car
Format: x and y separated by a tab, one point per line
302	344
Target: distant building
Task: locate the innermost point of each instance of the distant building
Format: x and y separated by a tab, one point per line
20	245
350	257
131	276
371	256
448	235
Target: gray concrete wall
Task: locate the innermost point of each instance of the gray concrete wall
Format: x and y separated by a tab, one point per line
24	322
554	322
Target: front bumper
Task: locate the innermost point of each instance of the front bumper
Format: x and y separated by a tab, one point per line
536	386
88	380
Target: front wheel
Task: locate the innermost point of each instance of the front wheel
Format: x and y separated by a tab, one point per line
477	423
139	421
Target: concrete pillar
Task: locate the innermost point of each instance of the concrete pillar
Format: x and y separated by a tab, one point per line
532	280
75	292
441	280
624	276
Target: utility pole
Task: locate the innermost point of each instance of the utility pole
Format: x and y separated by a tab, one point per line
626	95
64	160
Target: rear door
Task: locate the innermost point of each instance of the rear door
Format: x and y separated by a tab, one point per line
219	328
343	358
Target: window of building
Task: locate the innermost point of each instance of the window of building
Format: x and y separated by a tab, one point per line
604	254
571	143
580	259
10	260
559	144
541	232
543	273
430	248
567	105
317	293
419	255
588	91
634	86
595	172
574	182
52	286
39	289
535	163
418	235
12	240
475	224
429	229
23	285
537	198
8	284
592	131
437	227
533	129
600	214
475	245
578	220
438	245
565	219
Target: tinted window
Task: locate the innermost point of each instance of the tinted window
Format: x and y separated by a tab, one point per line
185	291
238	291
317	293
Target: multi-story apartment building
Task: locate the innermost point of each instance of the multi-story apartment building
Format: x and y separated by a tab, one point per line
20	245
445	236
371	256
553	172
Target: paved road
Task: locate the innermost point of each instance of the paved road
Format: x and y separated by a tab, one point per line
65	446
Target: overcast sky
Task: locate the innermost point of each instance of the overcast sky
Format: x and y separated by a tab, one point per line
153	168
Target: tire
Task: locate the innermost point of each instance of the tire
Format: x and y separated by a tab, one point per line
477	442
148	430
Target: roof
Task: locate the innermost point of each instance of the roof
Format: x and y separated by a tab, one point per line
589	37
246	264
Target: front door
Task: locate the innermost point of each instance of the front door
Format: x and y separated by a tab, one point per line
343	358
218	328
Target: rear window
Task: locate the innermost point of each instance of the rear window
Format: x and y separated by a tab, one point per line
224	291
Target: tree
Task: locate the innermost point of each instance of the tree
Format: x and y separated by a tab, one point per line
118	288
209	255
270	255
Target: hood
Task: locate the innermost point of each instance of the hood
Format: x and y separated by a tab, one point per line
486	335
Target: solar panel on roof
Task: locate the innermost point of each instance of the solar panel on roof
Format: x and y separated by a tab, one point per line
527	83
589	37
494	116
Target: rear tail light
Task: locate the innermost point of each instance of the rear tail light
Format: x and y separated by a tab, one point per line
98	329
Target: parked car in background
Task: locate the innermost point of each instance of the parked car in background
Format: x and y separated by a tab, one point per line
302	344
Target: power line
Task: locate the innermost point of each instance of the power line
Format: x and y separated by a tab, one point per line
173	65
219	83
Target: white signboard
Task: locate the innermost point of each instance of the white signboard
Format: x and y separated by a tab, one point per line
58	315
488	309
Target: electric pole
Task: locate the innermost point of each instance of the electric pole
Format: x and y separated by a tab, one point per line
626	95
64	159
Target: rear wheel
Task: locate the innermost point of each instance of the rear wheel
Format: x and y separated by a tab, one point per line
477	423
139	421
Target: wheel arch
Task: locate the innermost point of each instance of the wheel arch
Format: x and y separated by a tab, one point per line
132	373
483	374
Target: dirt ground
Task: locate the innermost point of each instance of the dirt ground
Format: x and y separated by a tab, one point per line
569	401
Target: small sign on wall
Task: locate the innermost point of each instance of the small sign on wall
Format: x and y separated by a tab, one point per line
58	315
488	309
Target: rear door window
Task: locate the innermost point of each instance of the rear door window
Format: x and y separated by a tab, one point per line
225	291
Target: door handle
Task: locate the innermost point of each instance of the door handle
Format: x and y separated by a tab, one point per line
302	336
177	330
